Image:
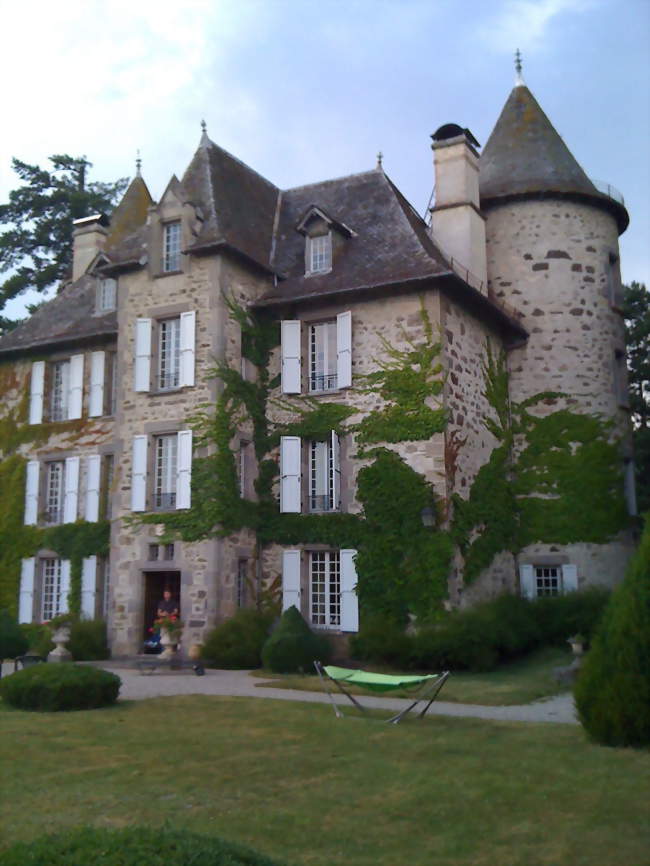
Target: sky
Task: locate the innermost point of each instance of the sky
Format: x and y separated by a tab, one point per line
305	90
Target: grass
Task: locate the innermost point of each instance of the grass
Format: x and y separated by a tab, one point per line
297	784
519	682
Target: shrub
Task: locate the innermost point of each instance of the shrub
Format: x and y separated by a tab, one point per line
293	646
613	688
561	616
132	846
39	638
381	639
238	642
60	686
12	640
88	640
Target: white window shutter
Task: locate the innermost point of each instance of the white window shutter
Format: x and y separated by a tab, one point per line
31	493
88	587
37	388
96	399
291	357
187	342
71	494
290	474
527	581
336	473
139	474
64	604
142	376
290	579
569	578
76	387
26	596
93	475
349	598
184	469
344	350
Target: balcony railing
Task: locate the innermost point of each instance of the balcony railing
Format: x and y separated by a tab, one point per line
320	504
323	382
164	501
608	190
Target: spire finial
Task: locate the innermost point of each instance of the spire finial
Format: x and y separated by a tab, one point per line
204	127
138	164
205	141
380	157
518	78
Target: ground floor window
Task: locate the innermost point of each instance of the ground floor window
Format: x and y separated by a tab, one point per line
325	588
543	579
548	580
53	595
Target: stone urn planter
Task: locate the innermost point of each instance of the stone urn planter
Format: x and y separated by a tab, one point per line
168	641
577	645
60	653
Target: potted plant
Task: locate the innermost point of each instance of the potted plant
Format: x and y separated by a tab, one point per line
170	629
577	642
60	627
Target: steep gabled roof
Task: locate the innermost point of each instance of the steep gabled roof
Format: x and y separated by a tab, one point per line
525	156
237	204
126	241
67	319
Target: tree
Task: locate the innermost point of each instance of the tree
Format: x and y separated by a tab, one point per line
36	246
636	309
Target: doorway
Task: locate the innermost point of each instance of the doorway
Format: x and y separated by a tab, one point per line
155	583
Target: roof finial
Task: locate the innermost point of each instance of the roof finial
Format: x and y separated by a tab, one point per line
204	134
138	164
380	157
519	81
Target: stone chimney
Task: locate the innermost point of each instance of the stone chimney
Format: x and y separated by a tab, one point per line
457	225
88	239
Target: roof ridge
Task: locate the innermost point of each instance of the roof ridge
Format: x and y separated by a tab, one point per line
241	162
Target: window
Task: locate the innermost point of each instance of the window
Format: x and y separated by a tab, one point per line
319	254
547	579
322	357
172	247
169	334
168	552
165	472
242	569
324	475
106	295
153	553
60	391
243	452
54	492
325	588
614	285
54	590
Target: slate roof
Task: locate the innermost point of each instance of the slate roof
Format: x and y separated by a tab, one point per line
68	319
127	237
525	155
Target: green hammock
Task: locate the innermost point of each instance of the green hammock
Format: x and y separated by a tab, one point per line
376	682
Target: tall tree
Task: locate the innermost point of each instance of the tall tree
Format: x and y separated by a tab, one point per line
36	246
636	309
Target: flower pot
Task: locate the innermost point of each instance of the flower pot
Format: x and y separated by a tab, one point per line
168	642
60	653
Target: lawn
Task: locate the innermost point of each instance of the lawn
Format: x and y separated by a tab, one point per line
519	682
306	788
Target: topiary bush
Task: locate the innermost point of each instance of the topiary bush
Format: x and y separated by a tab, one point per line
238	642
612	691
60	686
88	641
12	640
293	646
132	846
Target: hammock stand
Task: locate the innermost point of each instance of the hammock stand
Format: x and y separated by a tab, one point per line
430	687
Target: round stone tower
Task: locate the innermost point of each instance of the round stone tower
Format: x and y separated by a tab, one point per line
552	254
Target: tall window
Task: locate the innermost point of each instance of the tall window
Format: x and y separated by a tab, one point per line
325	588
106	295
54	492
322	357
53	601
172	247
324	473
169	354
59	391
165	472
319	254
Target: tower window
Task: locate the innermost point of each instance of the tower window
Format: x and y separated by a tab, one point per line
172	247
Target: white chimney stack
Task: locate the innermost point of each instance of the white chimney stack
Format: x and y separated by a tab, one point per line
88	239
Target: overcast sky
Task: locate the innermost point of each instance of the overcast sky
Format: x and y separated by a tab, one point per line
304	90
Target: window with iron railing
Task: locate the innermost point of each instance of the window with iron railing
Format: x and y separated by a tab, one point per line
166	455
54	492
324	475
322	357
169	354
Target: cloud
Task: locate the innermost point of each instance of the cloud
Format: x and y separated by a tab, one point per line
524	23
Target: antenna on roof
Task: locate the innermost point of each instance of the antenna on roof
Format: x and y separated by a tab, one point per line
380	157
519	81
138	164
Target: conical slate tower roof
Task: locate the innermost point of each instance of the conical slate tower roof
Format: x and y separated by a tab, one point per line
526	156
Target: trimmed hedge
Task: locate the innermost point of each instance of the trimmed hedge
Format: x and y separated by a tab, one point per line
293	646
131	846
12	640
613	688
238	642
88	640
60	686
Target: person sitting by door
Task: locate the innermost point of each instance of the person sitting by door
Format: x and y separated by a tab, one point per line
167	606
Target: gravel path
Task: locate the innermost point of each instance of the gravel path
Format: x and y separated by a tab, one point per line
137	686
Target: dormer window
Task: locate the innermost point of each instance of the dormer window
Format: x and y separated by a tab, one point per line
106	295
172	247
319	254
